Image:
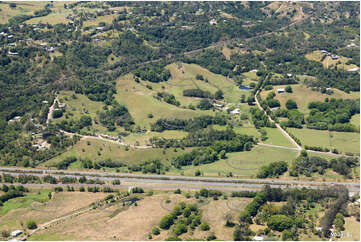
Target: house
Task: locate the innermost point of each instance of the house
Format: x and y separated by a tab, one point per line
254	70
16	233
289	75
100	28
353	69
323	51
45	102
258	238
51	49
334	57
236	111
213	22
274	109
218	105
13	53
280	90
351	45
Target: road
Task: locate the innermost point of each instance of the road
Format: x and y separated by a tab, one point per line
187	181
299	148
51	110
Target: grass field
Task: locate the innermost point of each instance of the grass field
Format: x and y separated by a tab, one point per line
355	120
301	91
241	164
143	139
79	106
39	208
183	77
328	62
352	230
140	102
112	151
136	222
275	137
23	202
108	19
57	16
342	141
26	8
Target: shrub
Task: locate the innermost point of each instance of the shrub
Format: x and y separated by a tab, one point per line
291	104
204	226
280	222
166	221
180	229
155	231
57	113
288	89
31	224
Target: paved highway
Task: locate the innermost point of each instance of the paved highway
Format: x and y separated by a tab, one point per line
179	180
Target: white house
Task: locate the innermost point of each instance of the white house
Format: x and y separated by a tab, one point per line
213	22
236	111
289	74
13	53
258	238
16	233
353	69
280	90
254	70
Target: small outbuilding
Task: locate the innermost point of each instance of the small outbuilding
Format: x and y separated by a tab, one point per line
16	233
281	90
353	69
258	238
235	111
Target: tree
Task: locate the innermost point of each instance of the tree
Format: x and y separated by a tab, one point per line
245	217
57	113
288	89
85	120
5	233
155	231
166	221
31	224
339	222
199	77
204	226
180	229
291	104
218	95
280	222
204	104
5	188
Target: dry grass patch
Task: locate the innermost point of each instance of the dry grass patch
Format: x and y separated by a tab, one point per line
133	223
60	205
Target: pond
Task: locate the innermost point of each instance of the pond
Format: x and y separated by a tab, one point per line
244	87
